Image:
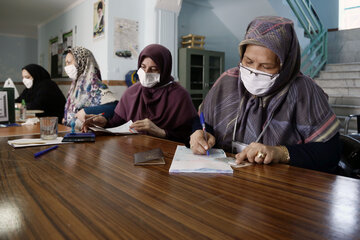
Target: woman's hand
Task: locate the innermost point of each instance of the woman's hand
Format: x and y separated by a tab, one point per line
260	153
98	121
146	125
198	144
81	115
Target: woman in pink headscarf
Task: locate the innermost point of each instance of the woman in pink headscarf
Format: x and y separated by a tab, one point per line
157	105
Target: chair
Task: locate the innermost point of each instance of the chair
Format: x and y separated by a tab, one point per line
347	120
349	164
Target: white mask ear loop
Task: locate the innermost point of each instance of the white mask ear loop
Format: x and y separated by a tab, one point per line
234	133
266	126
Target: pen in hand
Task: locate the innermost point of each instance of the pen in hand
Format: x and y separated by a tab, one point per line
45	151
100	114
83	128
202	121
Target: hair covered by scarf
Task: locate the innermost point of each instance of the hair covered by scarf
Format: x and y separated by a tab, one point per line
87	89
162	57
295	105
38	73
40	77
44	94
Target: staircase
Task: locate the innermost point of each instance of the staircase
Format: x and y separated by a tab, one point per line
342	83
314	56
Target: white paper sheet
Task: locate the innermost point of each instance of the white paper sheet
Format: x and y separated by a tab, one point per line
123	129
31	142
185	161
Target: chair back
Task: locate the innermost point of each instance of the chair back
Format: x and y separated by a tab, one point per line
349	164
347	122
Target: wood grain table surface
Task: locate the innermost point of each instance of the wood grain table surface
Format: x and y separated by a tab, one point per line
28	130
93	191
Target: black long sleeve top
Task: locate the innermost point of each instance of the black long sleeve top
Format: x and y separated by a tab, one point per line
46	96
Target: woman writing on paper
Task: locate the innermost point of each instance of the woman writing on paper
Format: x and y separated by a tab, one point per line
87	89
265	109
41	93
157	104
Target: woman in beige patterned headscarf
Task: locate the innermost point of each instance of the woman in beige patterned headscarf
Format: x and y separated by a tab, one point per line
87	88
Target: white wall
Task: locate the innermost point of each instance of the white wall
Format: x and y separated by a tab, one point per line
349	14
223	22
137	10
81	17
80	20
15	53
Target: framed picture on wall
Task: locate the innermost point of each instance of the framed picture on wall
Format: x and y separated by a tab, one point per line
99	22
7	109
56	56
126	35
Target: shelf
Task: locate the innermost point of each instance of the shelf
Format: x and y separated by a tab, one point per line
198	70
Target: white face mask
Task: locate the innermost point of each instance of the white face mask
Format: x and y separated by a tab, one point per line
257	82
148	79
28	82
71	71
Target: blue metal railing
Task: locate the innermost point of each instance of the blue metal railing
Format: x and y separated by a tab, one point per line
314	56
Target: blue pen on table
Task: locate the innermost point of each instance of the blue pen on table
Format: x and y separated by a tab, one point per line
45	151
202	121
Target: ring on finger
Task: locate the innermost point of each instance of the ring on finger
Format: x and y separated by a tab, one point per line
260	155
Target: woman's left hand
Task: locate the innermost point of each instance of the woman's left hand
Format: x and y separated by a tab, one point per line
146	125
260	153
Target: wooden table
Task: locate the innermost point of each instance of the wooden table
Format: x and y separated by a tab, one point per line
27	130
93	191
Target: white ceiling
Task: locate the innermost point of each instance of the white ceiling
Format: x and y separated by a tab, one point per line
22	17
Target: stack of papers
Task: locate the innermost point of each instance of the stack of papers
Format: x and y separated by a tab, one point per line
120	130
30	142
185	161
